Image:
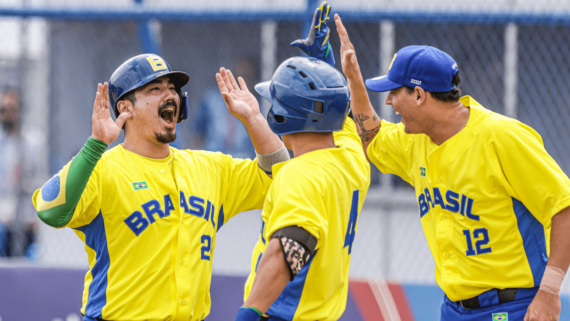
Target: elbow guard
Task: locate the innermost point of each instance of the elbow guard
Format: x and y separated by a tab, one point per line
297	246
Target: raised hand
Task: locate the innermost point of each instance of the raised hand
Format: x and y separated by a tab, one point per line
240	101
103	127
350	66
317	43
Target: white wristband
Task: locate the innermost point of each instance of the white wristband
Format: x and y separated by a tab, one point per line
265	161
552	280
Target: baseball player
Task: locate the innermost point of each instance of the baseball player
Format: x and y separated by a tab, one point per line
299	268
493	203
148	213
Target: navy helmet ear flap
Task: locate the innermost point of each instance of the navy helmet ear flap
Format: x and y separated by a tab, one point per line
183	106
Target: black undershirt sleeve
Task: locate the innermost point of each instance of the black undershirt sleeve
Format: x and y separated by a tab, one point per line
297	246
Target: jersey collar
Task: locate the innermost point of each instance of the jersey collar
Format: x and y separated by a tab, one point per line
154	160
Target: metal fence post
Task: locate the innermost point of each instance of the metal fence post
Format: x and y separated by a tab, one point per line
387	49
511	69
148	37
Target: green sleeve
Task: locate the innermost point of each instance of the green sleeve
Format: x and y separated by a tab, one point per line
80	171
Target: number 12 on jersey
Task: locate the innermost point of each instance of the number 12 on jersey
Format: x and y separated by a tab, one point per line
351	231
477	233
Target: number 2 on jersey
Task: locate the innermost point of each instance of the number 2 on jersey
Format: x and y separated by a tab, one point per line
207	241
351	231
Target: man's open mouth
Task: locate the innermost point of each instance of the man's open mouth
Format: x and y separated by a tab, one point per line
168	113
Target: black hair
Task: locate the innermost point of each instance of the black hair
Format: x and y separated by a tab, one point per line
447	96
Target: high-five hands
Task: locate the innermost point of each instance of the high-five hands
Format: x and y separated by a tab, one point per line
103	127
240	101
350	66
317	45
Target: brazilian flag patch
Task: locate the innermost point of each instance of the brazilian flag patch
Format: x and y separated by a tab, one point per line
140	185
422	171
503	316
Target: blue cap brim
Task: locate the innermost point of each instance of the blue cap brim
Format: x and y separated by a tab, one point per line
381	84
263	89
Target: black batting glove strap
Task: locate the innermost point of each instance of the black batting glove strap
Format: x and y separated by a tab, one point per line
297	246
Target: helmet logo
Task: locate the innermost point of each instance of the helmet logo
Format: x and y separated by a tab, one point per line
156	63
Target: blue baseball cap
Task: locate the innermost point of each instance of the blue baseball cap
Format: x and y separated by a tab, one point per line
423	66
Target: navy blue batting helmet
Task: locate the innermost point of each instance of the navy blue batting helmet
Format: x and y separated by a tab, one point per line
307	95
139	71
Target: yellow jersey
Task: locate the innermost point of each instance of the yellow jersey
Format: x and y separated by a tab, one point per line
486	199
149	228
321	191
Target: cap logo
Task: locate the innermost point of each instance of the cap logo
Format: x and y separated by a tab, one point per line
454	66
156	63
417	82
392	62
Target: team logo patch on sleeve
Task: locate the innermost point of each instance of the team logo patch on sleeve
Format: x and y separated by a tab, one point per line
503	316
423	171
140	185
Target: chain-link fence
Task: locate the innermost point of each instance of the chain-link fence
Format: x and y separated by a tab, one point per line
512	56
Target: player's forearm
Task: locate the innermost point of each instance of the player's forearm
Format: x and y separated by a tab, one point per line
366	119
557	263
271	278
559	240
76	179
263	139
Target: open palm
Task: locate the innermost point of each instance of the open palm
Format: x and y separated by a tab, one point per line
350	66
240	101
103	127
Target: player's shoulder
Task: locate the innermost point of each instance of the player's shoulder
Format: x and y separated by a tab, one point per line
204	157
317	169
296	166
296	171
349	125
492	126
111	155
200	154
348	137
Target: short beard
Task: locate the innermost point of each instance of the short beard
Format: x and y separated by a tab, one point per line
167	137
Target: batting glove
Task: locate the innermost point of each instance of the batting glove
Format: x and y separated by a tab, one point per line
248	314
317	45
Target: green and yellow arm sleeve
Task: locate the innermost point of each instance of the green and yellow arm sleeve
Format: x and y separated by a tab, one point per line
57	199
